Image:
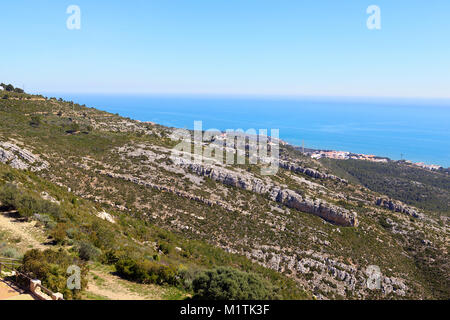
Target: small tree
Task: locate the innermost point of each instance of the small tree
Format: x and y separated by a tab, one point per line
74	127
166	247
59	233
8	196
86	251
35	121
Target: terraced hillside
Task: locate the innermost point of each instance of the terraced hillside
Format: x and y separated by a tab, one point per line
311	230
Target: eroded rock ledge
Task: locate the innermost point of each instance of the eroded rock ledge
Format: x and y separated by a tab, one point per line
289	198
173	190
19	158
398	206
308	171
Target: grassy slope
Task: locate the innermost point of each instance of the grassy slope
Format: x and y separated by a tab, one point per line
130	234
424	189
371	244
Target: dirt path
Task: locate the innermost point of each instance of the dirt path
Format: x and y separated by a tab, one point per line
9	291
26	231
102	283
114	288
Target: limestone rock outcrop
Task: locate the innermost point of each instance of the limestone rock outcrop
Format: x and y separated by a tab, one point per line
19	158
308	171
326	211
397	206
289	198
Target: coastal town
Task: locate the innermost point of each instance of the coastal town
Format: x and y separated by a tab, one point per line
345	155
221	138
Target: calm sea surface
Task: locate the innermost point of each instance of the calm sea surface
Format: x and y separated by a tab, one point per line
420	130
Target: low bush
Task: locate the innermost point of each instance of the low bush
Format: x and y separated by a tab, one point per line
27	205
9	252
110	257
145	271
51	268
225	283
166	247
35	121
87	251
59	233
46	220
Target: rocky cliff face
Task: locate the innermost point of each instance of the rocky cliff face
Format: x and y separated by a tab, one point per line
326	211
294	167
397	206
19	158
287	197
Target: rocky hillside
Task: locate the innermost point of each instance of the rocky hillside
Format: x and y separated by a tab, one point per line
312	222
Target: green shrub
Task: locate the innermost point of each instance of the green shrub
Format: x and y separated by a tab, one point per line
8	196
35	121
101	235
384	223
10	253
46	220
59	233
187	277
51	268
87	251
130	269
145	271
225	283
110	257
13	199
25	203
71	233
166	247
8	176
74	127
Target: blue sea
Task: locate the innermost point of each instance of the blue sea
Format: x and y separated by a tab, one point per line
417	130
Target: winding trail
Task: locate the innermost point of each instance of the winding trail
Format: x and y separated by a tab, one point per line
114	288
26	231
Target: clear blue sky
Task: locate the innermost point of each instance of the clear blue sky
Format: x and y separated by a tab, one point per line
279	47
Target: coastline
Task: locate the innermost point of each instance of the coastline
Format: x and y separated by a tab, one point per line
346	155
322	125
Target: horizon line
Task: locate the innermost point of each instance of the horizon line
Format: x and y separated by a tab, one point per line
245	95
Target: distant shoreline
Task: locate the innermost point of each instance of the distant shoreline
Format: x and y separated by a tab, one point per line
346	155
341	125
